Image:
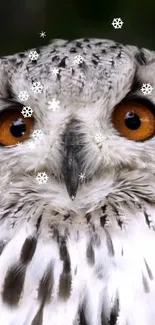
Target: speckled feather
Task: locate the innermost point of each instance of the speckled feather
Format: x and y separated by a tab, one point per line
89	261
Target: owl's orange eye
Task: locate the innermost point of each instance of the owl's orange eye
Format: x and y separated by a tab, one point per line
14	127
135	121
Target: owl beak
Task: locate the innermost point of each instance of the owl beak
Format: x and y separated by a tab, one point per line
71	172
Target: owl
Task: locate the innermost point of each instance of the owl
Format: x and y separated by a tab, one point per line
77	185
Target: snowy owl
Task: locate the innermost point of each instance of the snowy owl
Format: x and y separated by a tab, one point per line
77	185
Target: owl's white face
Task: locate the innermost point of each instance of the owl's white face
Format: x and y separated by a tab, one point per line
87	95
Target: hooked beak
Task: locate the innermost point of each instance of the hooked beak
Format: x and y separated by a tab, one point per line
70	168
71	173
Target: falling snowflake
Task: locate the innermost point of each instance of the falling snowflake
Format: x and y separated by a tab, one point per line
143	164
37	134
54	104
33	55
42	34
55	71
82	177
23	95
19	144
146	89
99	139
42	178
37	87
78	59
31	145
117	23
27	111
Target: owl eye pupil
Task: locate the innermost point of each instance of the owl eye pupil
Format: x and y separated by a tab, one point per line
132	121
18	128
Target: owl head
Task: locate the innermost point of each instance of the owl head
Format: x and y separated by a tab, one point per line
77	124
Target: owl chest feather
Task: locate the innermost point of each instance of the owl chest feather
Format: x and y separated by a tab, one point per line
61	270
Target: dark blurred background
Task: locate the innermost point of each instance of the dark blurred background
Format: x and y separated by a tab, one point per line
21	21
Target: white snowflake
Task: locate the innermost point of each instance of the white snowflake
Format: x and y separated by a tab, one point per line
23	95
37	87
54	104
37	134
55	71
99	139
117	23
19	144
82	177
42	34
146	89
31	145
78	59
33	55
42	178
27	111
143	165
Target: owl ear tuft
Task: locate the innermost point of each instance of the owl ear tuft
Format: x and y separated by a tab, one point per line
144	56
141	58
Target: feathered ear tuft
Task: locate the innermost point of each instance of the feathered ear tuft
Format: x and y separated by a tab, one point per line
141	58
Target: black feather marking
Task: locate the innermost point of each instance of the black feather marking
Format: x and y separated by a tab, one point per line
98	43
145	284
65	285
96	56
114	313
103	217
103	221
79	44
104	207
13	284
119	54
90	254
88	217
65	277
9	208
82	318
46	285
66	216
28	250
39	222
55	58
96	241
2	245
73	71
120	222
148	270
64	255
109	244
147	218
38	319
62	63
118	219
44	293
94	62
73	50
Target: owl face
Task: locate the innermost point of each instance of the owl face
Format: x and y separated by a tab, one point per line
89	118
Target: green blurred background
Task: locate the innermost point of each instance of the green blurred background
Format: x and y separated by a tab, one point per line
21	21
